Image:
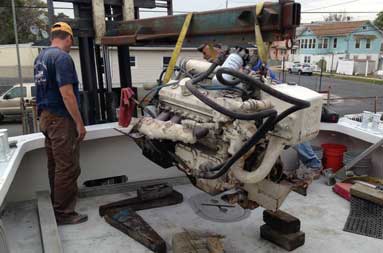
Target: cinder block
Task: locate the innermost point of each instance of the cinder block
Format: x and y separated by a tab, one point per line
287	241
282	222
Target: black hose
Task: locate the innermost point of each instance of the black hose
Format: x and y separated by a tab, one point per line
261	132
251	81
223	110
204	75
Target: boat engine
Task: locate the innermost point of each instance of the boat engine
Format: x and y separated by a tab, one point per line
225	126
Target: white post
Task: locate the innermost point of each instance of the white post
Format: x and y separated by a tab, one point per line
99	25
128	10
19	68
366	67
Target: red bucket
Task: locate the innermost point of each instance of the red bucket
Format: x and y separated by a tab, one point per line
333	156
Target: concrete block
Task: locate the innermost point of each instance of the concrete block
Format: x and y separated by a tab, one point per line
287	241
282	222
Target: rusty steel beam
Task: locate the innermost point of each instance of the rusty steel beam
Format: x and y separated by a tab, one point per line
278	21
150	4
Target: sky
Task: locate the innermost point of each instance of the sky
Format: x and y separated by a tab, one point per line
307	5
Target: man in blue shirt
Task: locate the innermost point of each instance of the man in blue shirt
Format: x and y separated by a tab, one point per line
60	121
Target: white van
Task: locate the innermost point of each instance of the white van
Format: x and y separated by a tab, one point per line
10	100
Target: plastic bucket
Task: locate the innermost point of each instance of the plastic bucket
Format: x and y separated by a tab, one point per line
333	156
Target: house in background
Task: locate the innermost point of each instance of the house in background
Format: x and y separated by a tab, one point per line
146	62
359	41
279	51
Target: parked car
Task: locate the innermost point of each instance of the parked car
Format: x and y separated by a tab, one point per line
302	69
10	100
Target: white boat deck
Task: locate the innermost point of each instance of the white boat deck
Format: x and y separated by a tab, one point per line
322	214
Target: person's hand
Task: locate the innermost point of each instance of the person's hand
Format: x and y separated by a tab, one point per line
81	132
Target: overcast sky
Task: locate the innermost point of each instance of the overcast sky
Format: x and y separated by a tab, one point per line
307	5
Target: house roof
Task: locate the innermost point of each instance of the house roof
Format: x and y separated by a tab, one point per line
335	28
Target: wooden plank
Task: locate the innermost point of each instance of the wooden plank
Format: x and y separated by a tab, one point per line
48	227
367	193
86	192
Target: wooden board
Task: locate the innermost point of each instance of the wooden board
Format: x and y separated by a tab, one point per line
48	227
367	193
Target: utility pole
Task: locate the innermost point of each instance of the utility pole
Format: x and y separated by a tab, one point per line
321	75
19	68
227	4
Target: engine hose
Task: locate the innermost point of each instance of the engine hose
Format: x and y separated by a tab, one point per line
251	81
223	110
261	132
205	75
221	87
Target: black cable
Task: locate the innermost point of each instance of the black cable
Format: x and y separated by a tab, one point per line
261	132
254	82
298	104
225	111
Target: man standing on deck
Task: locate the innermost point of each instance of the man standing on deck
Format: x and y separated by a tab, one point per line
60	121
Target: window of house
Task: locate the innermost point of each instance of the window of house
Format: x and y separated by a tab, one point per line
16	92
310	43
368	43
335	43
357	43
364	27
293	51
306	41
307	59
132	61
325	43
320	43
165	61
314	43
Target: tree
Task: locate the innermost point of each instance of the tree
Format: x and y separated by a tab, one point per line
379	20
25	17
337	17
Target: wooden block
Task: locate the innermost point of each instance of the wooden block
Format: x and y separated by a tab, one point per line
215	245
287	241
281	221
367	193
193	242
48	226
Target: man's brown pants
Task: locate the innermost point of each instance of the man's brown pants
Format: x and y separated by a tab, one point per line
63	154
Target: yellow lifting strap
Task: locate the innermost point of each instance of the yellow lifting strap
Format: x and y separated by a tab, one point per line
262	50
177	49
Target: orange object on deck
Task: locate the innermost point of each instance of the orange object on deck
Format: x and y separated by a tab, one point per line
333	156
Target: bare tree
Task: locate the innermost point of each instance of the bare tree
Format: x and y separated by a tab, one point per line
337	17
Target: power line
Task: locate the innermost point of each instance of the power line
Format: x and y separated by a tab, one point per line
325	12
348	2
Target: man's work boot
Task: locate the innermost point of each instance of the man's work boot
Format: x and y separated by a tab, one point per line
71	219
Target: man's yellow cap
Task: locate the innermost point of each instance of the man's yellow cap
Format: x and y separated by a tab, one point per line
62	26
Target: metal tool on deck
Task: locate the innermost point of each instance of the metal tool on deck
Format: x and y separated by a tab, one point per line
123	216
343	172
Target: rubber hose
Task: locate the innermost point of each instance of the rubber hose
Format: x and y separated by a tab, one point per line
261	132
251	81
223	110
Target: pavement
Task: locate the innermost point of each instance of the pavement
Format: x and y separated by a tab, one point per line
343	89
14	128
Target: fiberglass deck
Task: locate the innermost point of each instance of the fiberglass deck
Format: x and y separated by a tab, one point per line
322	214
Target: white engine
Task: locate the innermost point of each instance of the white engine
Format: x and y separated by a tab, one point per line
214	147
